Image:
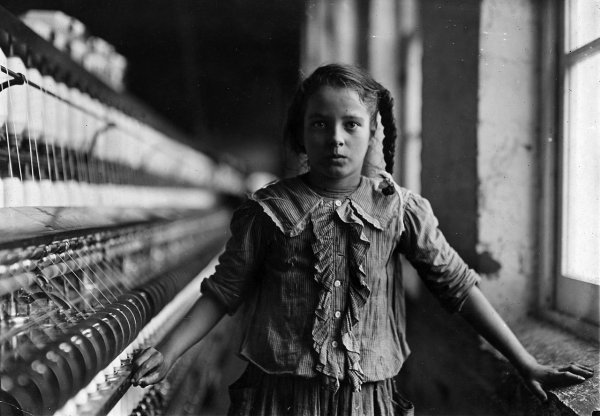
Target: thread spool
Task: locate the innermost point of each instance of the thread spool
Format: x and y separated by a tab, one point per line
13	192
109	197
97	194
62	115
101	195
31	193
4	93
35	104
17	99
47	193
116	198
84	194
89	194
74	144
61	193
88	121
125	195
50	110
76	126
108	141
74	193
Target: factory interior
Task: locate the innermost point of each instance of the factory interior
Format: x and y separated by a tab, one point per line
132	130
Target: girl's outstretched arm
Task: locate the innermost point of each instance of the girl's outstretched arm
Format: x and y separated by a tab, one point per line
152	364
483	317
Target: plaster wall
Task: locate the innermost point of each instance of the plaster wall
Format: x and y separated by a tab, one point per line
490	134
450	35
330	33
507	131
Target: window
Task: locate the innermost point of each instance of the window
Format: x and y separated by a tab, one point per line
577	163
581	135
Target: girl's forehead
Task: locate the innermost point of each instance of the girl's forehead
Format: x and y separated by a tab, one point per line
342	99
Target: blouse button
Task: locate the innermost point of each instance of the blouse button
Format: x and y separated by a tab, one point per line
337	314
337	283
337	203
334	344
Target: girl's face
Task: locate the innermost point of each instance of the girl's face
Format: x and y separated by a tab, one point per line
336	134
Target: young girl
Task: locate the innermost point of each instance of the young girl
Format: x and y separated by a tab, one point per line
316	258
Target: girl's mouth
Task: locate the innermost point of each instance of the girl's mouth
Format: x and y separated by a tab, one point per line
336	159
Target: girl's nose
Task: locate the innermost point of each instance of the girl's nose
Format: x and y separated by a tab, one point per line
337	137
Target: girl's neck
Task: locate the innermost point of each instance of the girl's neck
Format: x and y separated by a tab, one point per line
330	190
321	181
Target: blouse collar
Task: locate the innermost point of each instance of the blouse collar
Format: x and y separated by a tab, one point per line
289	203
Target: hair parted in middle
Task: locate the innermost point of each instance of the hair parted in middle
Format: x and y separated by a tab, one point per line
371	93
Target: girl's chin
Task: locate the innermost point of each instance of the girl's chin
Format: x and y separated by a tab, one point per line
334	172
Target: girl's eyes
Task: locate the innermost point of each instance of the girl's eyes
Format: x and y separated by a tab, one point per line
350	125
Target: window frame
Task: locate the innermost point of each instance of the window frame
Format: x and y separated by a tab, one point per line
553	64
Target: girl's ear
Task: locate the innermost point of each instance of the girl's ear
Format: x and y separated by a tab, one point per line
376	128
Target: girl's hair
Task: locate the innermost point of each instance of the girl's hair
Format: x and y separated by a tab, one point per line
375	97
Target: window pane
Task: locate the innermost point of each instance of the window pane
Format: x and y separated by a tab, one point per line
583	22
581	206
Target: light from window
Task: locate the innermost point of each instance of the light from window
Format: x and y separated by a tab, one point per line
585	16
581	145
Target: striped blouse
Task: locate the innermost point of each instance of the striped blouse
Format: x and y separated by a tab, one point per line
322	278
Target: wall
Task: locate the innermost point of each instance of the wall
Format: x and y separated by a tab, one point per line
507	153
450	32
496	166
479	166
479	139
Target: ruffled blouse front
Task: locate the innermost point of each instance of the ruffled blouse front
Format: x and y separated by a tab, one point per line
323	280
358	291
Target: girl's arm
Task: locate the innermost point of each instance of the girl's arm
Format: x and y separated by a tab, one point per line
233	277
484	318
152	364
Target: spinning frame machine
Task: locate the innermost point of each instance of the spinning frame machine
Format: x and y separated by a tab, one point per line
108	222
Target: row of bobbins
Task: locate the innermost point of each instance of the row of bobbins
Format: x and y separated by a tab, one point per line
84	354
136	399
62	147
49	377
157	248
80	340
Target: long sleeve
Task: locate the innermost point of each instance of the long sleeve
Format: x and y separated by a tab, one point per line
235	275
443	271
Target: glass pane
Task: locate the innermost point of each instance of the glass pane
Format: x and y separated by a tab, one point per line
583	22
581	172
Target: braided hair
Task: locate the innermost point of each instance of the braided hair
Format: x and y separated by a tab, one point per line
371	93
386	110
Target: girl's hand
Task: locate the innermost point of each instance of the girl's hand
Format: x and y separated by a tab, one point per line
149	367
538	376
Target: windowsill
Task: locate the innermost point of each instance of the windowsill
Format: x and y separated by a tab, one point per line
551	345
452	368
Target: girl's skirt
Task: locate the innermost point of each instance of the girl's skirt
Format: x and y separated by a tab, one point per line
257	393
